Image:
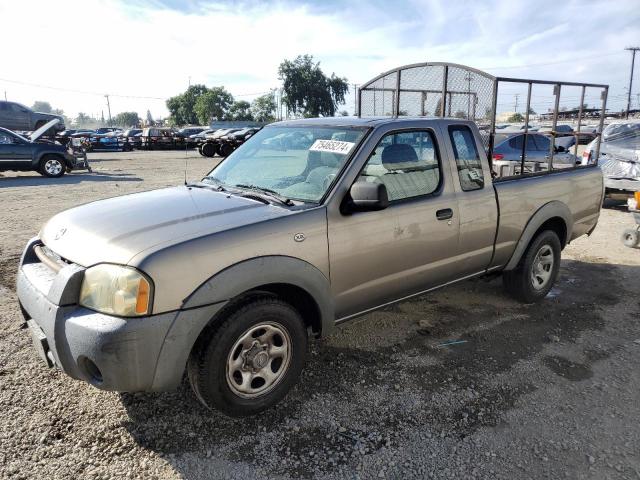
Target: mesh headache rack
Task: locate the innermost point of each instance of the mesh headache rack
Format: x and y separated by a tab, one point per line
440	89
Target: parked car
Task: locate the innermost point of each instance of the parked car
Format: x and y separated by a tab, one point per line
15	116
132	138
508	146
231	141
619	157
83	133
50	159
565	137
225	279
210	146
158	138
186	132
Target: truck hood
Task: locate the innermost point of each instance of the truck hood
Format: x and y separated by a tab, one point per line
117	229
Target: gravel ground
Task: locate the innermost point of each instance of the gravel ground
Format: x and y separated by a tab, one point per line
535	391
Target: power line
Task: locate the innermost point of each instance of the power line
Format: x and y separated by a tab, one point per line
551	63
87	92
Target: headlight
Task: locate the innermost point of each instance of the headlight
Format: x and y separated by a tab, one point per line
117	290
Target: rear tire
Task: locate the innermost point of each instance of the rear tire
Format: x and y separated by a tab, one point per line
630	238
52	166
208	149
225	150
537	270
251	359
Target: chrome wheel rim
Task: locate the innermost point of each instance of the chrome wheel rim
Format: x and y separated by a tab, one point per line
53	167
542	267
259	360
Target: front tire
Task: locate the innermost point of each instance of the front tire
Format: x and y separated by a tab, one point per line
52	167
208	149
537	270
251	359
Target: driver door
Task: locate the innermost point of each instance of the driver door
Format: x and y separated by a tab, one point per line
15	154
377	257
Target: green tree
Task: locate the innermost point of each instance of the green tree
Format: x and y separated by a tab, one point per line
239	110
126	119
83	120
263	108
212	104
532	111
308	91
40	106
516	117
182	107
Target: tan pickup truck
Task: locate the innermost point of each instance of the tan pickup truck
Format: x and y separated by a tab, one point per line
308	224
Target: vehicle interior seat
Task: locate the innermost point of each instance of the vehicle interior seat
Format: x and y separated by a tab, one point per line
407	176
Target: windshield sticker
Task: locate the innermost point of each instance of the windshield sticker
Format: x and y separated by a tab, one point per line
332	146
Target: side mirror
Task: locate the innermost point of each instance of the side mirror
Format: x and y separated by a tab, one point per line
367	196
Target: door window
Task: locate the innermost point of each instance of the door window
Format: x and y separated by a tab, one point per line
5	139
406	163
543	143
467	158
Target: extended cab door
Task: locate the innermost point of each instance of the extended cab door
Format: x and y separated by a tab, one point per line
477	204
380	256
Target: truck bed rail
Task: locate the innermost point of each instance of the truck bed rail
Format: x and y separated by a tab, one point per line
439	89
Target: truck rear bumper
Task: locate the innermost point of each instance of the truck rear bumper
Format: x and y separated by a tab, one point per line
111	353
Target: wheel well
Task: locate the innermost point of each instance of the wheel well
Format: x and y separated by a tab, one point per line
557	225
299	299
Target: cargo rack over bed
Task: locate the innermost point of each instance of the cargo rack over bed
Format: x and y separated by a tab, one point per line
440	89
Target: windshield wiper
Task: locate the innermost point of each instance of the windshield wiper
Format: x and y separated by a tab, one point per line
215	183
268	192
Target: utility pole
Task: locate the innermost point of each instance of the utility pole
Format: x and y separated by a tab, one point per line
515	107
355	98
633	60
108	108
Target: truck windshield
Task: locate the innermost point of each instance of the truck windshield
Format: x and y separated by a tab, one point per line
299	163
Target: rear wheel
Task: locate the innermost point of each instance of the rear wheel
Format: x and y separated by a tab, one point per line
226	150
252	359
208	149
537	270
52	167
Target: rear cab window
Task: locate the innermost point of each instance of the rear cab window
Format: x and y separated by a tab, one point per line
467	158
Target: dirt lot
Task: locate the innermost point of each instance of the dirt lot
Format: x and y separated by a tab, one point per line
536	391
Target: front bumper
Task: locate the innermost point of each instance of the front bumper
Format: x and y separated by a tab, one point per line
111	353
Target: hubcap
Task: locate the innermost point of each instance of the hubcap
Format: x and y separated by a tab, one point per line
542	267
53	167
258	360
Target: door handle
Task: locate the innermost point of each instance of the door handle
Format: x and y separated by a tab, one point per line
444	214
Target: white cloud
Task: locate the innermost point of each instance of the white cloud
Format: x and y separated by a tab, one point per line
146	49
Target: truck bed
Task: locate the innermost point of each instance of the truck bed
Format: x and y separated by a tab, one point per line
519	198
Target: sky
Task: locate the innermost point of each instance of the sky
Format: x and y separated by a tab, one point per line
141	52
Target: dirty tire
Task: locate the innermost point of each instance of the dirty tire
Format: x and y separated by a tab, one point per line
52	166
630	238
208	149
225	150
519	282
209	370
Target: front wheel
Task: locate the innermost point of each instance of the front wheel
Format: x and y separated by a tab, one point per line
52	167
208	149
252	359
537	270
